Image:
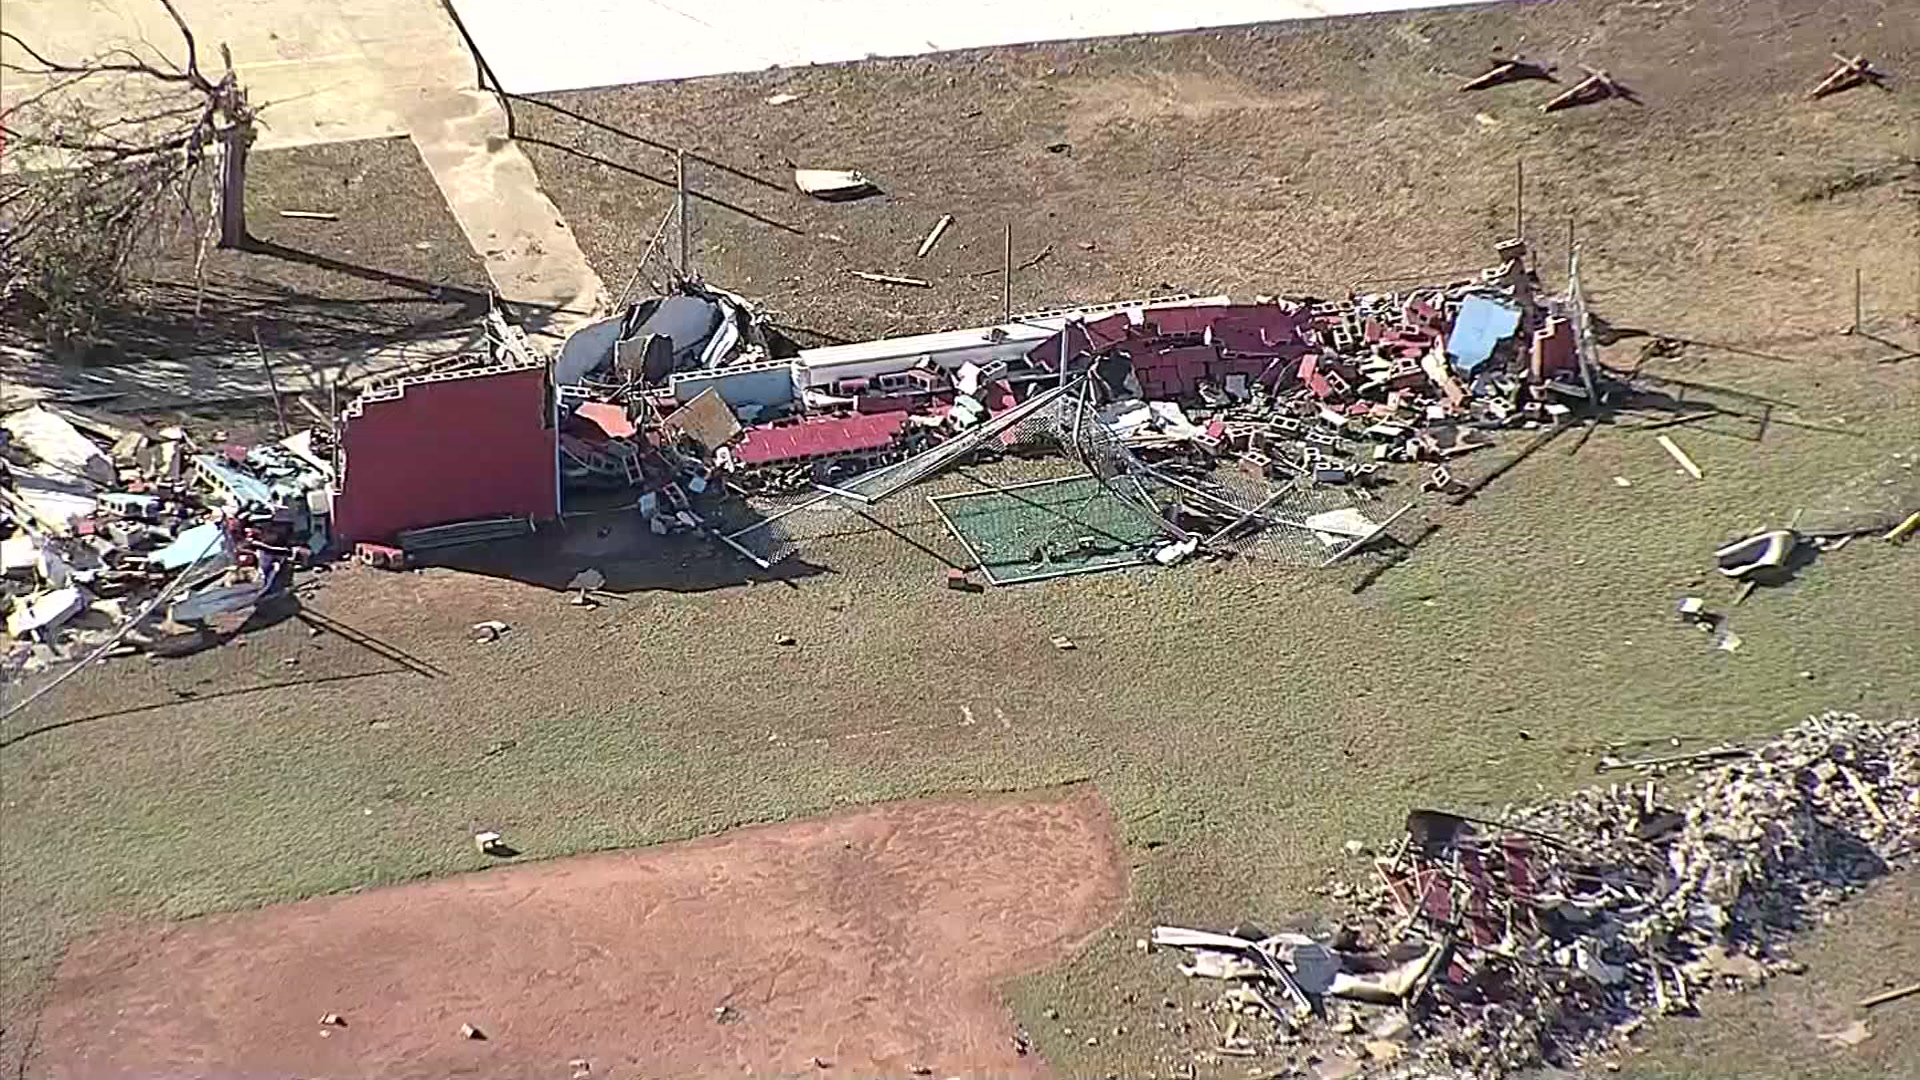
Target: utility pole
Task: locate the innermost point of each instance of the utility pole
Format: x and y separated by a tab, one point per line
1519	199
680	186
1006	279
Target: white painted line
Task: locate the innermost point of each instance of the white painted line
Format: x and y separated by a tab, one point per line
576	44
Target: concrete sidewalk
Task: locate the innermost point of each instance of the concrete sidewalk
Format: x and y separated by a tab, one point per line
344	70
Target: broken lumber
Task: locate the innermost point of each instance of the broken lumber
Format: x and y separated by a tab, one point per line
1673	450
1904	529
1597	86
1849	72
1505	71
1891	995
933	237
892	279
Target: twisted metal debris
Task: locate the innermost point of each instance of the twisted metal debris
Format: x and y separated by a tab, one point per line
1550	936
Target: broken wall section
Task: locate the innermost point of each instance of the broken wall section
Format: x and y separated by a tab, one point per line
444	448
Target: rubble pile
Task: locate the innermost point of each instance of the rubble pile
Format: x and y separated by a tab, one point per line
120	535
1330	391
1215	413
1483	948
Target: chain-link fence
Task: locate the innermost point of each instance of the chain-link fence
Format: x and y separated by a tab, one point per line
1113	509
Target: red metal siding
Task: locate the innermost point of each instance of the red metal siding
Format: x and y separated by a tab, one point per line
448	450
819	436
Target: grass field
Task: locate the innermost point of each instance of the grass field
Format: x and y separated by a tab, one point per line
1244	721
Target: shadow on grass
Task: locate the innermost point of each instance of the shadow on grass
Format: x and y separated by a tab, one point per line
220	316
1391	552
182	698
617	545
665	182
391	653
611	129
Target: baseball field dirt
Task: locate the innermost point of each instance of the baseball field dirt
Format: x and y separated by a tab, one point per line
870	943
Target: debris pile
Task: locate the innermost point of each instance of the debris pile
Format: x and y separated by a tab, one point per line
1483	948
1328	392
1205	426
122	536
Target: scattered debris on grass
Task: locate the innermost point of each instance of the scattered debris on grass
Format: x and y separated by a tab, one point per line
126	537
1848	72
1550	936
933	236
1852	1035
892	279
834	185
1680	456
1890	995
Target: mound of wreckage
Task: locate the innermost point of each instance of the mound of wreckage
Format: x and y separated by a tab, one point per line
1168	427
1193	424
1550	935
123	537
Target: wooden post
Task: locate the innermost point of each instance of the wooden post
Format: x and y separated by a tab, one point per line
234	141
680	184
1519	199
1006	279
273	387
1857	320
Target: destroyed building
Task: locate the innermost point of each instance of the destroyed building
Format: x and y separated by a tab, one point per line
1189	425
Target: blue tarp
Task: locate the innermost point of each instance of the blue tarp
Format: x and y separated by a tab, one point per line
187	548
1482	324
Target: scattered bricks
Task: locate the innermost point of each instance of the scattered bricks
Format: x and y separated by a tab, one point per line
380	556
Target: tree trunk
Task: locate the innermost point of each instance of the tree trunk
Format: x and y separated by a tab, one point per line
234	142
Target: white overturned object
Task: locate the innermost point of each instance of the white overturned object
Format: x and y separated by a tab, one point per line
1761	551
831	184
58	443
45	611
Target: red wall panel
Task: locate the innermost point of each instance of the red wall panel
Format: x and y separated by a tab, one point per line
448	450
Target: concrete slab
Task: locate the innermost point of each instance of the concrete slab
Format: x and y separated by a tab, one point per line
322	72
489	184
354	69
575	44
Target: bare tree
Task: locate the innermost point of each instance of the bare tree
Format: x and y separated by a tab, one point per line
106	160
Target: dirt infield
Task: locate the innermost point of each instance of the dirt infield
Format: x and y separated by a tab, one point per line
871	940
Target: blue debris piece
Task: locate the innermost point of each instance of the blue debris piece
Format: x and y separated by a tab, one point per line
189	546
1482	324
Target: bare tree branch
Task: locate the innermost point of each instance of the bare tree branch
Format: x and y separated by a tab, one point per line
132	66
193	61
97	190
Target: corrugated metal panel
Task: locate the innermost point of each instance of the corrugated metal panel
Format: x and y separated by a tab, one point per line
815	437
